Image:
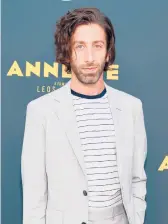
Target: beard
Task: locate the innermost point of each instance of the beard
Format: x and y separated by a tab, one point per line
88	76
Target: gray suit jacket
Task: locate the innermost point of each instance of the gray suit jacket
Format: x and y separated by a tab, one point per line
52	165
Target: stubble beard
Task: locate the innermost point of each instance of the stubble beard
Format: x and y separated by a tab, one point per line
88	77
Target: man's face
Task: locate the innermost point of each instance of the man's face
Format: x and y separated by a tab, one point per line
88	53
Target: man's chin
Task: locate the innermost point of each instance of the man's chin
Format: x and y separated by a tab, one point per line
89	80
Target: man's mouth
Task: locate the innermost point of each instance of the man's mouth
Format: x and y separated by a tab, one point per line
90	68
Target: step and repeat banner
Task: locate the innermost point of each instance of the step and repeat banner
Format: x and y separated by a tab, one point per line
29	71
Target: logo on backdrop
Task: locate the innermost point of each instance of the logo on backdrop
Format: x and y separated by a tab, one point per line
164	164
43	69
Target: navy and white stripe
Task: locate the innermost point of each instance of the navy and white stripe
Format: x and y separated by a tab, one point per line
97	134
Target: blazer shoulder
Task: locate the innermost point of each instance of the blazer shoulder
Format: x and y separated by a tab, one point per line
127	97
43	104
39	102
127	101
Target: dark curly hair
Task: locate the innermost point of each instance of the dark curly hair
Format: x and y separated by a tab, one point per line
66	26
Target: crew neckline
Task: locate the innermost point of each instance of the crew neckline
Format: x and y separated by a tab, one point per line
89	96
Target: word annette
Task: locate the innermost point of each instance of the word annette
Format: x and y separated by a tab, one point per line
45	70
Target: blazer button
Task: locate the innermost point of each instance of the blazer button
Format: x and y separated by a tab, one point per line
84	193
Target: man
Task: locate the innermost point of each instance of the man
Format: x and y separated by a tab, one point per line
85	143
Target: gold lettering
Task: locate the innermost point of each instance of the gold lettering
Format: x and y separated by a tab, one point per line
64	73
112	73
38	89
51	69
43	89
31	68
46	89
164	165
15	70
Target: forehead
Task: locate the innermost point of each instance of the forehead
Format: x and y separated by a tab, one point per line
89	33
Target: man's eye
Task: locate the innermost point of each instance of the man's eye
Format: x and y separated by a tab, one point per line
79	46
98	46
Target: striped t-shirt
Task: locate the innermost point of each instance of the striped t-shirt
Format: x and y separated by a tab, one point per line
97	134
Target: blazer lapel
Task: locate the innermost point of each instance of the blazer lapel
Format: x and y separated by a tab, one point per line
119	117
66	114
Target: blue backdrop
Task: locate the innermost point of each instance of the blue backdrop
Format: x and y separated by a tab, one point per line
141	29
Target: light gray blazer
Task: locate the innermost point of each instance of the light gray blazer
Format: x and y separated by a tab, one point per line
52	165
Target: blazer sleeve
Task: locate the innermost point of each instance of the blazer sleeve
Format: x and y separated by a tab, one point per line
33	173
139	178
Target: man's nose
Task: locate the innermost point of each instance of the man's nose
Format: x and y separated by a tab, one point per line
89	55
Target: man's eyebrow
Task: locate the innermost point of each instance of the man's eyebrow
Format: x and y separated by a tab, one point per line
97	41
74	42
82	42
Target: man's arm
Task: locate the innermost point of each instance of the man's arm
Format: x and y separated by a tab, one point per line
33	173
139	176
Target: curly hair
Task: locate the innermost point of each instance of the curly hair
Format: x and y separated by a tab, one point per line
65	28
